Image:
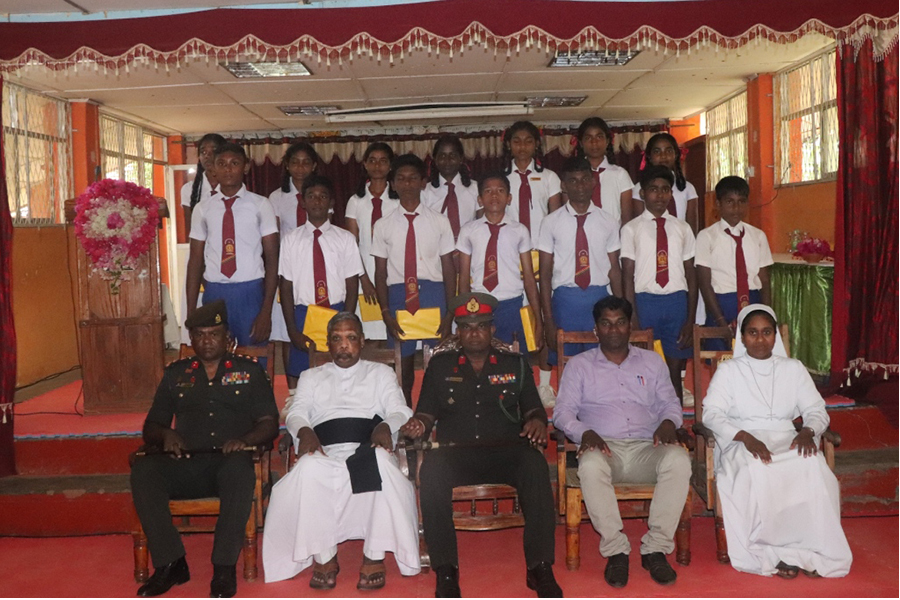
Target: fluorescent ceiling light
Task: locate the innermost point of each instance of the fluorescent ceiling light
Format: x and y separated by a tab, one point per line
251	70
307	111
447	110
593	58
545	101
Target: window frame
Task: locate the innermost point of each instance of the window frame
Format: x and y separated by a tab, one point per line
730	133
121	155
821	109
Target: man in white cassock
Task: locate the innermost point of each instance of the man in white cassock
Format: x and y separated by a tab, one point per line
780	501
346	483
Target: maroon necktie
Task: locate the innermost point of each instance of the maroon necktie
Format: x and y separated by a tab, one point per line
582	255
229	254
740	268
319	271
662	253
410	279
595	195
376	212
491	274
451	209
301	212
525	200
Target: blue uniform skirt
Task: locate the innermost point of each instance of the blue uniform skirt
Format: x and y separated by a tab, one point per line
431	295
573	310
729	306
243	301
508	321
666	315
298	360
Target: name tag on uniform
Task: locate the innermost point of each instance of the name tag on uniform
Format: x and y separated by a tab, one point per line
185	384
236	378
502	379
454	379
534	178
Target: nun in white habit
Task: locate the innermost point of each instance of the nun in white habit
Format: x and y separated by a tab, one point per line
780	501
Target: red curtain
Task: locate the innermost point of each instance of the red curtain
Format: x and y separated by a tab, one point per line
7	328
865	279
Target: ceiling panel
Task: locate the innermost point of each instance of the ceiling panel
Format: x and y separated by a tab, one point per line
305	91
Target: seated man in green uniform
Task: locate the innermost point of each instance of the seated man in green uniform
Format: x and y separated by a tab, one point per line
492	428
219	401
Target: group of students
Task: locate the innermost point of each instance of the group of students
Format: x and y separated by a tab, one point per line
527	236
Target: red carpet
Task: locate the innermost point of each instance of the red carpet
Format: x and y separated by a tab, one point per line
491	565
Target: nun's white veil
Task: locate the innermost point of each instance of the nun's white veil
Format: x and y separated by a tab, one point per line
739	349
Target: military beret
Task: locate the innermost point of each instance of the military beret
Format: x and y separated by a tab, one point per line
473	308
208	315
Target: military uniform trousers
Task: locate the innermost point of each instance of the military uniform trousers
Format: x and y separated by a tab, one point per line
156	479
522	467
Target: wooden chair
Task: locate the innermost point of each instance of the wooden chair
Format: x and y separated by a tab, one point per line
570	498
475	496
704	476
209	507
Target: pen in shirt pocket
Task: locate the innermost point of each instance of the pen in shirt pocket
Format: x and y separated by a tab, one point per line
641	380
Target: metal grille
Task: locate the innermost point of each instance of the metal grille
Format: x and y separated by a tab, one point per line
36	131
726	141
129	152
806	121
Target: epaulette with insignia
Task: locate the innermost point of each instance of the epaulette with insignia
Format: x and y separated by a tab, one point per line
502	347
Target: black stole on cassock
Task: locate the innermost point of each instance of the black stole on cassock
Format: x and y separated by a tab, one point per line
362	464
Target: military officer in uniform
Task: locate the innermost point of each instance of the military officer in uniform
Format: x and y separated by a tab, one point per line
491	428
219	401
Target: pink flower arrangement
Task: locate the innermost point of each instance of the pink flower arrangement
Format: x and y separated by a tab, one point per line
116	224
813	246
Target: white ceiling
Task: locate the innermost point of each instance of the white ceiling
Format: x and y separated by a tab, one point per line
201	97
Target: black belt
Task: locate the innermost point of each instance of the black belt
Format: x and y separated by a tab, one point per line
362	464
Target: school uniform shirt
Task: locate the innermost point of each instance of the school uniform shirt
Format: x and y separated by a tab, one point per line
341	255
512	239
360	209
466	198
558	238
206	190
285	206
254	219
681	197
544	184
716	249
434	239
613	181
639	244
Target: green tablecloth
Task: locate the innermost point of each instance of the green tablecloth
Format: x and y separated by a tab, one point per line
802	296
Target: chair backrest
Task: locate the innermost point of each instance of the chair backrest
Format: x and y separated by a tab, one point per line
715	357
386	356
639	337
267	352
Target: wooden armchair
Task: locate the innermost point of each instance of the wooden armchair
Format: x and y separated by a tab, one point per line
704	476
570	498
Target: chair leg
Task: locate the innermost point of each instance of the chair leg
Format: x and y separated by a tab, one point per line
141	558
573	528
721	541
250	547
683	534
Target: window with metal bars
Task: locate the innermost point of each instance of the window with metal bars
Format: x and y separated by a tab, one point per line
806	123
129	151
726	140
36	149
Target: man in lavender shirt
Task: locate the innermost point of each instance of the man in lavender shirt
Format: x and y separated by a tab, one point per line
618	402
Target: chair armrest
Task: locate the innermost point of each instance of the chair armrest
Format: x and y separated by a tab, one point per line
704	432
685	438
832	436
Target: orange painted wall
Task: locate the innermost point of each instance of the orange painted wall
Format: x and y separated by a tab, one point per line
43	306
685	130
811	208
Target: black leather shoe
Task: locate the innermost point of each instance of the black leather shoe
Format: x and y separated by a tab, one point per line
447	582
540	579
616	573
163	578
659	568
224	582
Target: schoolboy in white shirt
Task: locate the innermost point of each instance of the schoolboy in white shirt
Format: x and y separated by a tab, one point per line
579	258
495	258
319	265
234	251
733	257
658	271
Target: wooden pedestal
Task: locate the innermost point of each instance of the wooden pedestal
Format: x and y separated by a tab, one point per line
121	335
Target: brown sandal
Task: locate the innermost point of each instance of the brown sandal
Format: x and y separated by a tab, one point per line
371	575
324	577
813	574
786	571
